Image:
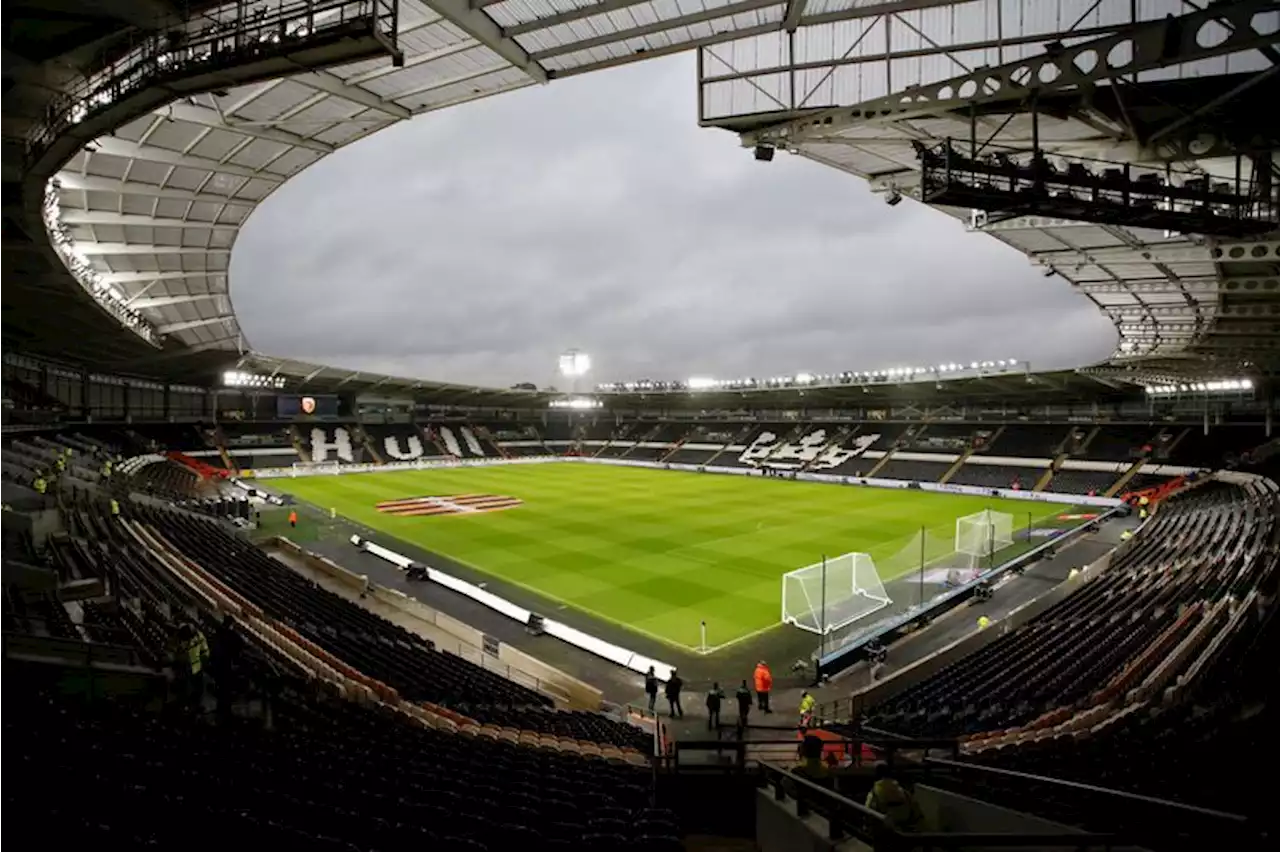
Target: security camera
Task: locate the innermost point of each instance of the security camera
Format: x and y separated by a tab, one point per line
893	198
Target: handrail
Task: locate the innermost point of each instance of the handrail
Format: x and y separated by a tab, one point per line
1235	820
154	55
76	651
846	817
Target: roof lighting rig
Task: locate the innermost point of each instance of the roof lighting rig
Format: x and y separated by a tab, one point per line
1012	183
891	375
1217	386
577	403
107	296
251	381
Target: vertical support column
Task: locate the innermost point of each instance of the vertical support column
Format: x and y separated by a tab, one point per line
85	410
167	402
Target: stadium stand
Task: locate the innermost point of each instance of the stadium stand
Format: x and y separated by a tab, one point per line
1081	481
369	643
996	476
914	471
1119	443
1030	440
250	445
1120	681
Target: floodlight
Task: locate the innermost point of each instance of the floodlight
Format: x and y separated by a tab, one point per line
574	363
701	383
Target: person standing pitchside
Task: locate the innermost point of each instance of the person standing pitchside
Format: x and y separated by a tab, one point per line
764	685
651	688
674	685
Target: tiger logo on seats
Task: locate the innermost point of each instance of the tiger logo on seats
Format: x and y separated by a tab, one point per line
459	504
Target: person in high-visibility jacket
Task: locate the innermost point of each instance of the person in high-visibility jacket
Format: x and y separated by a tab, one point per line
41	485
115	507
190	651
293	518
983	622
889	798
764	685
807	703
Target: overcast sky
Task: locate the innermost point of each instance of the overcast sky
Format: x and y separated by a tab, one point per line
478	243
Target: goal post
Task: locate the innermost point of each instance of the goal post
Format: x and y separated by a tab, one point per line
984	533
829	595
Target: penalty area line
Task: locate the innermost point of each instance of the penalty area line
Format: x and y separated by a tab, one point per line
736	640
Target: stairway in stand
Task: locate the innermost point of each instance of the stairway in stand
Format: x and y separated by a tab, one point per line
485	435
429	435
739	438
295	437
220	443
368	444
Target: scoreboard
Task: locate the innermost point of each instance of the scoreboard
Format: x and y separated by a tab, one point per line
290	406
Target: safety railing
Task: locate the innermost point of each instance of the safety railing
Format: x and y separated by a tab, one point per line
847	818
242	36
72	651
1141	809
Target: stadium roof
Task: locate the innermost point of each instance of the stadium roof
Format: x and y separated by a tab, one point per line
301	376
153	208
1114	82
1018	389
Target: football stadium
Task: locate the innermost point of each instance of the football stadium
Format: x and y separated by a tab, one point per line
254	600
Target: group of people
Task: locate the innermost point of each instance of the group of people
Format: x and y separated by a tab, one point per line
817	756
761	679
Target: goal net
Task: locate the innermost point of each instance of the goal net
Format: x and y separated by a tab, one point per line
313	468
828	596
983	534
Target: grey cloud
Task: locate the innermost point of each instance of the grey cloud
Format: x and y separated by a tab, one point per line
477	243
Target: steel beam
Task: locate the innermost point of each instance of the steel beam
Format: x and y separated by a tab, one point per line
148	277
589	11
1208	286
1181	252
211	118
334	85
165	301
88	183
117	147
415	61
175	327
88	248
482	28
622	36
129	220
1154	45
668	50
451	81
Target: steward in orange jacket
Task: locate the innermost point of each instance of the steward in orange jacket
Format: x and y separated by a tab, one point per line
764	685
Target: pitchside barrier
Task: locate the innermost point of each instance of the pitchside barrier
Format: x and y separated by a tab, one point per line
613	653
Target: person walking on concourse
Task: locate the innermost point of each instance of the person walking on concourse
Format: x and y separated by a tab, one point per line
651	688
744	708
674	685
714	697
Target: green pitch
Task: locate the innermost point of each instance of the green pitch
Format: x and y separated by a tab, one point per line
655	551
